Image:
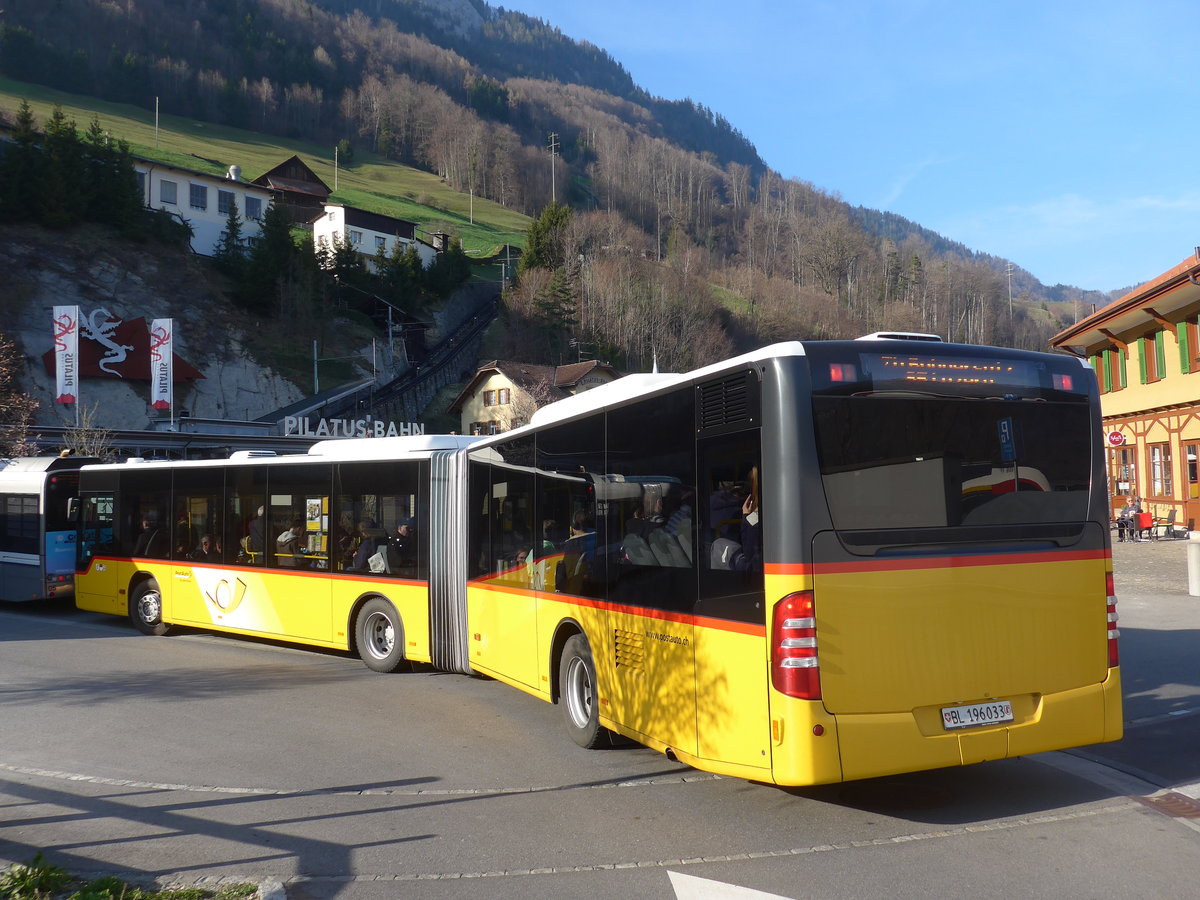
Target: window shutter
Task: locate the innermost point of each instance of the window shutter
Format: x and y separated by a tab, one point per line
1145	375
1122	358
1185	357
1101	374
1160	353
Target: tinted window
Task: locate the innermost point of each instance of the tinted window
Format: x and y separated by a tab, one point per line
905	461
198	518
730	559
298	516
19	523
246	531
373	504
144	519
570	461
648	497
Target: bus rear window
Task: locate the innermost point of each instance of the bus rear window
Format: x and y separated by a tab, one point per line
901	460
1000	374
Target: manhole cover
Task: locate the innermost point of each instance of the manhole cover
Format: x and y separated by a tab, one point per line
1180	806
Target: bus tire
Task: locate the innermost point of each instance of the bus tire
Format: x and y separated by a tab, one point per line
577	693
379	636
145	608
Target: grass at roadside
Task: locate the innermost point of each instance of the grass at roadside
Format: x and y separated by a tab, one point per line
38	880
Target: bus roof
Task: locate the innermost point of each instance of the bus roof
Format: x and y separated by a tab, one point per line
632	386
389	447
16	464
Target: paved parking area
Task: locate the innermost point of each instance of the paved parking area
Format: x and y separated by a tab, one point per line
1151	568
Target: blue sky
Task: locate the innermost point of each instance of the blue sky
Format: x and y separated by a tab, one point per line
1059	134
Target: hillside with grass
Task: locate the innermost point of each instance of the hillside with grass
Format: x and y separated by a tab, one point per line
368	182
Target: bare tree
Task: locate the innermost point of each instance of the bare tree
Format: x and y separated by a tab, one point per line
525	400
89	438
16	407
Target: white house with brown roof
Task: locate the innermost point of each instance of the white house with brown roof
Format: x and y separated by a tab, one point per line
202	200
504	394
369	233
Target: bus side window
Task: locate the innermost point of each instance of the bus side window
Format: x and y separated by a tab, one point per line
731	547
96	528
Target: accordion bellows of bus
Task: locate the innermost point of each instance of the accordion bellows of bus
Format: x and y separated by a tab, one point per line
816	562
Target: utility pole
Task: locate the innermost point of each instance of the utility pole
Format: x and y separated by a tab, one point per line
1010	308
553	143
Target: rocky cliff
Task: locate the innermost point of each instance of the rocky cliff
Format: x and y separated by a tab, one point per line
112	280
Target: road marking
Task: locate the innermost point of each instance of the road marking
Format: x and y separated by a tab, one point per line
689	887
683	778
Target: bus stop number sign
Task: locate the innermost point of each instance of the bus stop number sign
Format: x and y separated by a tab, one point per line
1008	441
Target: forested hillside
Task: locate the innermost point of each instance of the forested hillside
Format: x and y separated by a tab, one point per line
677	240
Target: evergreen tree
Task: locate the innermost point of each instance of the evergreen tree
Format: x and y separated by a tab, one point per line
65	190
269	262
546	243
114	198
21	164
554	313
230	253
449	271
401	275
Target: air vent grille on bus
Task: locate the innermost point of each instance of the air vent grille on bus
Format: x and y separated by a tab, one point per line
727	404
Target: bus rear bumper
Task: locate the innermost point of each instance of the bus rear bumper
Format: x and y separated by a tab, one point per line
877	744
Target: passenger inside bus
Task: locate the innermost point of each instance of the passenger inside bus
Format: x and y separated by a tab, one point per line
151	542
370	539
579	552
289	550
256	541
208	551
402	548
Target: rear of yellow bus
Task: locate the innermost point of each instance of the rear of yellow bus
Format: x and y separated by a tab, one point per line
943	588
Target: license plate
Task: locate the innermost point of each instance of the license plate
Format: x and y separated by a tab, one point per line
977	714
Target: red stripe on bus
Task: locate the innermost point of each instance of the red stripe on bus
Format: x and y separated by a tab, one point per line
659	614
934	562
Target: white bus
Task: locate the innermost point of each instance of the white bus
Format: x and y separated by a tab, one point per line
37	540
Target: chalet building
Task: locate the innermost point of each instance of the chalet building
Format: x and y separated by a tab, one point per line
1145	349
297	188
503	394
202	201
371	233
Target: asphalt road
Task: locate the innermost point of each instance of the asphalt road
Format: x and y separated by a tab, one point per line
197	759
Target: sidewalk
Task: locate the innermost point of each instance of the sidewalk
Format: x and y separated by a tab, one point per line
1151	567
1160	670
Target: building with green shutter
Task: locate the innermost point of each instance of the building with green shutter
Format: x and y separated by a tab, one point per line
1145	348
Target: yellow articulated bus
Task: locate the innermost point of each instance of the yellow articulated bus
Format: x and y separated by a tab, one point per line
818	562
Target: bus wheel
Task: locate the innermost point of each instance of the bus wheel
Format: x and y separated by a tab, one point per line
577	693
378	634
145	608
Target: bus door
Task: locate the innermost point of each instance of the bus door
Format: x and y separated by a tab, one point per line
731	670
297	547
645	512
501	602
95	546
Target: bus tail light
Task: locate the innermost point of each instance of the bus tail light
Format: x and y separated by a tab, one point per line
795	670
1114	656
